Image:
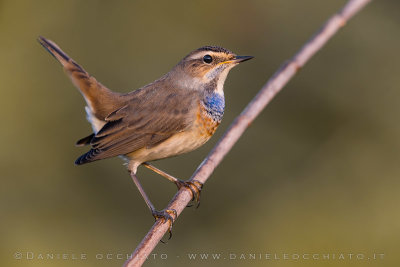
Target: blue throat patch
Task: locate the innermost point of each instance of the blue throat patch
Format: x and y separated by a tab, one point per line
215	106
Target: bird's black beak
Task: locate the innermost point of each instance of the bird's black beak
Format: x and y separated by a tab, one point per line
239	59
236	60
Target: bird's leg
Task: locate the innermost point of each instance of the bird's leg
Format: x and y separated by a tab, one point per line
165	215
194	186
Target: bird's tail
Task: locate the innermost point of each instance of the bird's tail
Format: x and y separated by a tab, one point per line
100	100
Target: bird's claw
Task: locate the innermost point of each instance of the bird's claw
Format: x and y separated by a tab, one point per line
194	187
166	215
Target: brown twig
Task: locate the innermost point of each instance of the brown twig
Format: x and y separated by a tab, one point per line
242	122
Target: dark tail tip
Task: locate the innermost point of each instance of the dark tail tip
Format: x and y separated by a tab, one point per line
52	48
43	42
41	39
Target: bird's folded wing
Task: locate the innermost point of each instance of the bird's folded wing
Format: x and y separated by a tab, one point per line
142	123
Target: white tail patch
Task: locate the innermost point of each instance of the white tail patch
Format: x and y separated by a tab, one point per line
95	122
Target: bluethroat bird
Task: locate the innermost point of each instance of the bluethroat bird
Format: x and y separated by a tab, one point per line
173	115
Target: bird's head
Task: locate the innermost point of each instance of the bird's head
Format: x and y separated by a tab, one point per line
207	66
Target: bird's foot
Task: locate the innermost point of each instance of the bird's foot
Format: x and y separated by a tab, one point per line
166	216
194	187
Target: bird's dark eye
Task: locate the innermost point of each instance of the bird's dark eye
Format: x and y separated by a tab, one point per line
207	59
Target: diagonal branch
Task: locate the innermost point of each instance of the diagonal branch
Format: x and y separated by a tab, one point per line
242	122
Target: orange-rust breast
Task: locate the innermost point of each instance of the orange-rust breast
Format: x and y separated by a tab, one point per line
206	125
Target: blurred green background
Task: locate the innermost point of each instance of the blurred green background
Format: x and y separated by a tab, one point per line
317	172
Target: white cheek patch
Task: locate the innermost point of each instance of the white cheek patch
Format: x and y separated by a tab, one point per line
214	72
222	77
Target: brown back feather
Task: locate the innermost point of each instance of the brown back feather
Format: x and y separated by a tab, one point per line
152	115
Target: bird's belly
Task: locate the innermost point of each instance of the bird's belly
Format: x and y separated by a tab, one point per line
177	144
203	127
